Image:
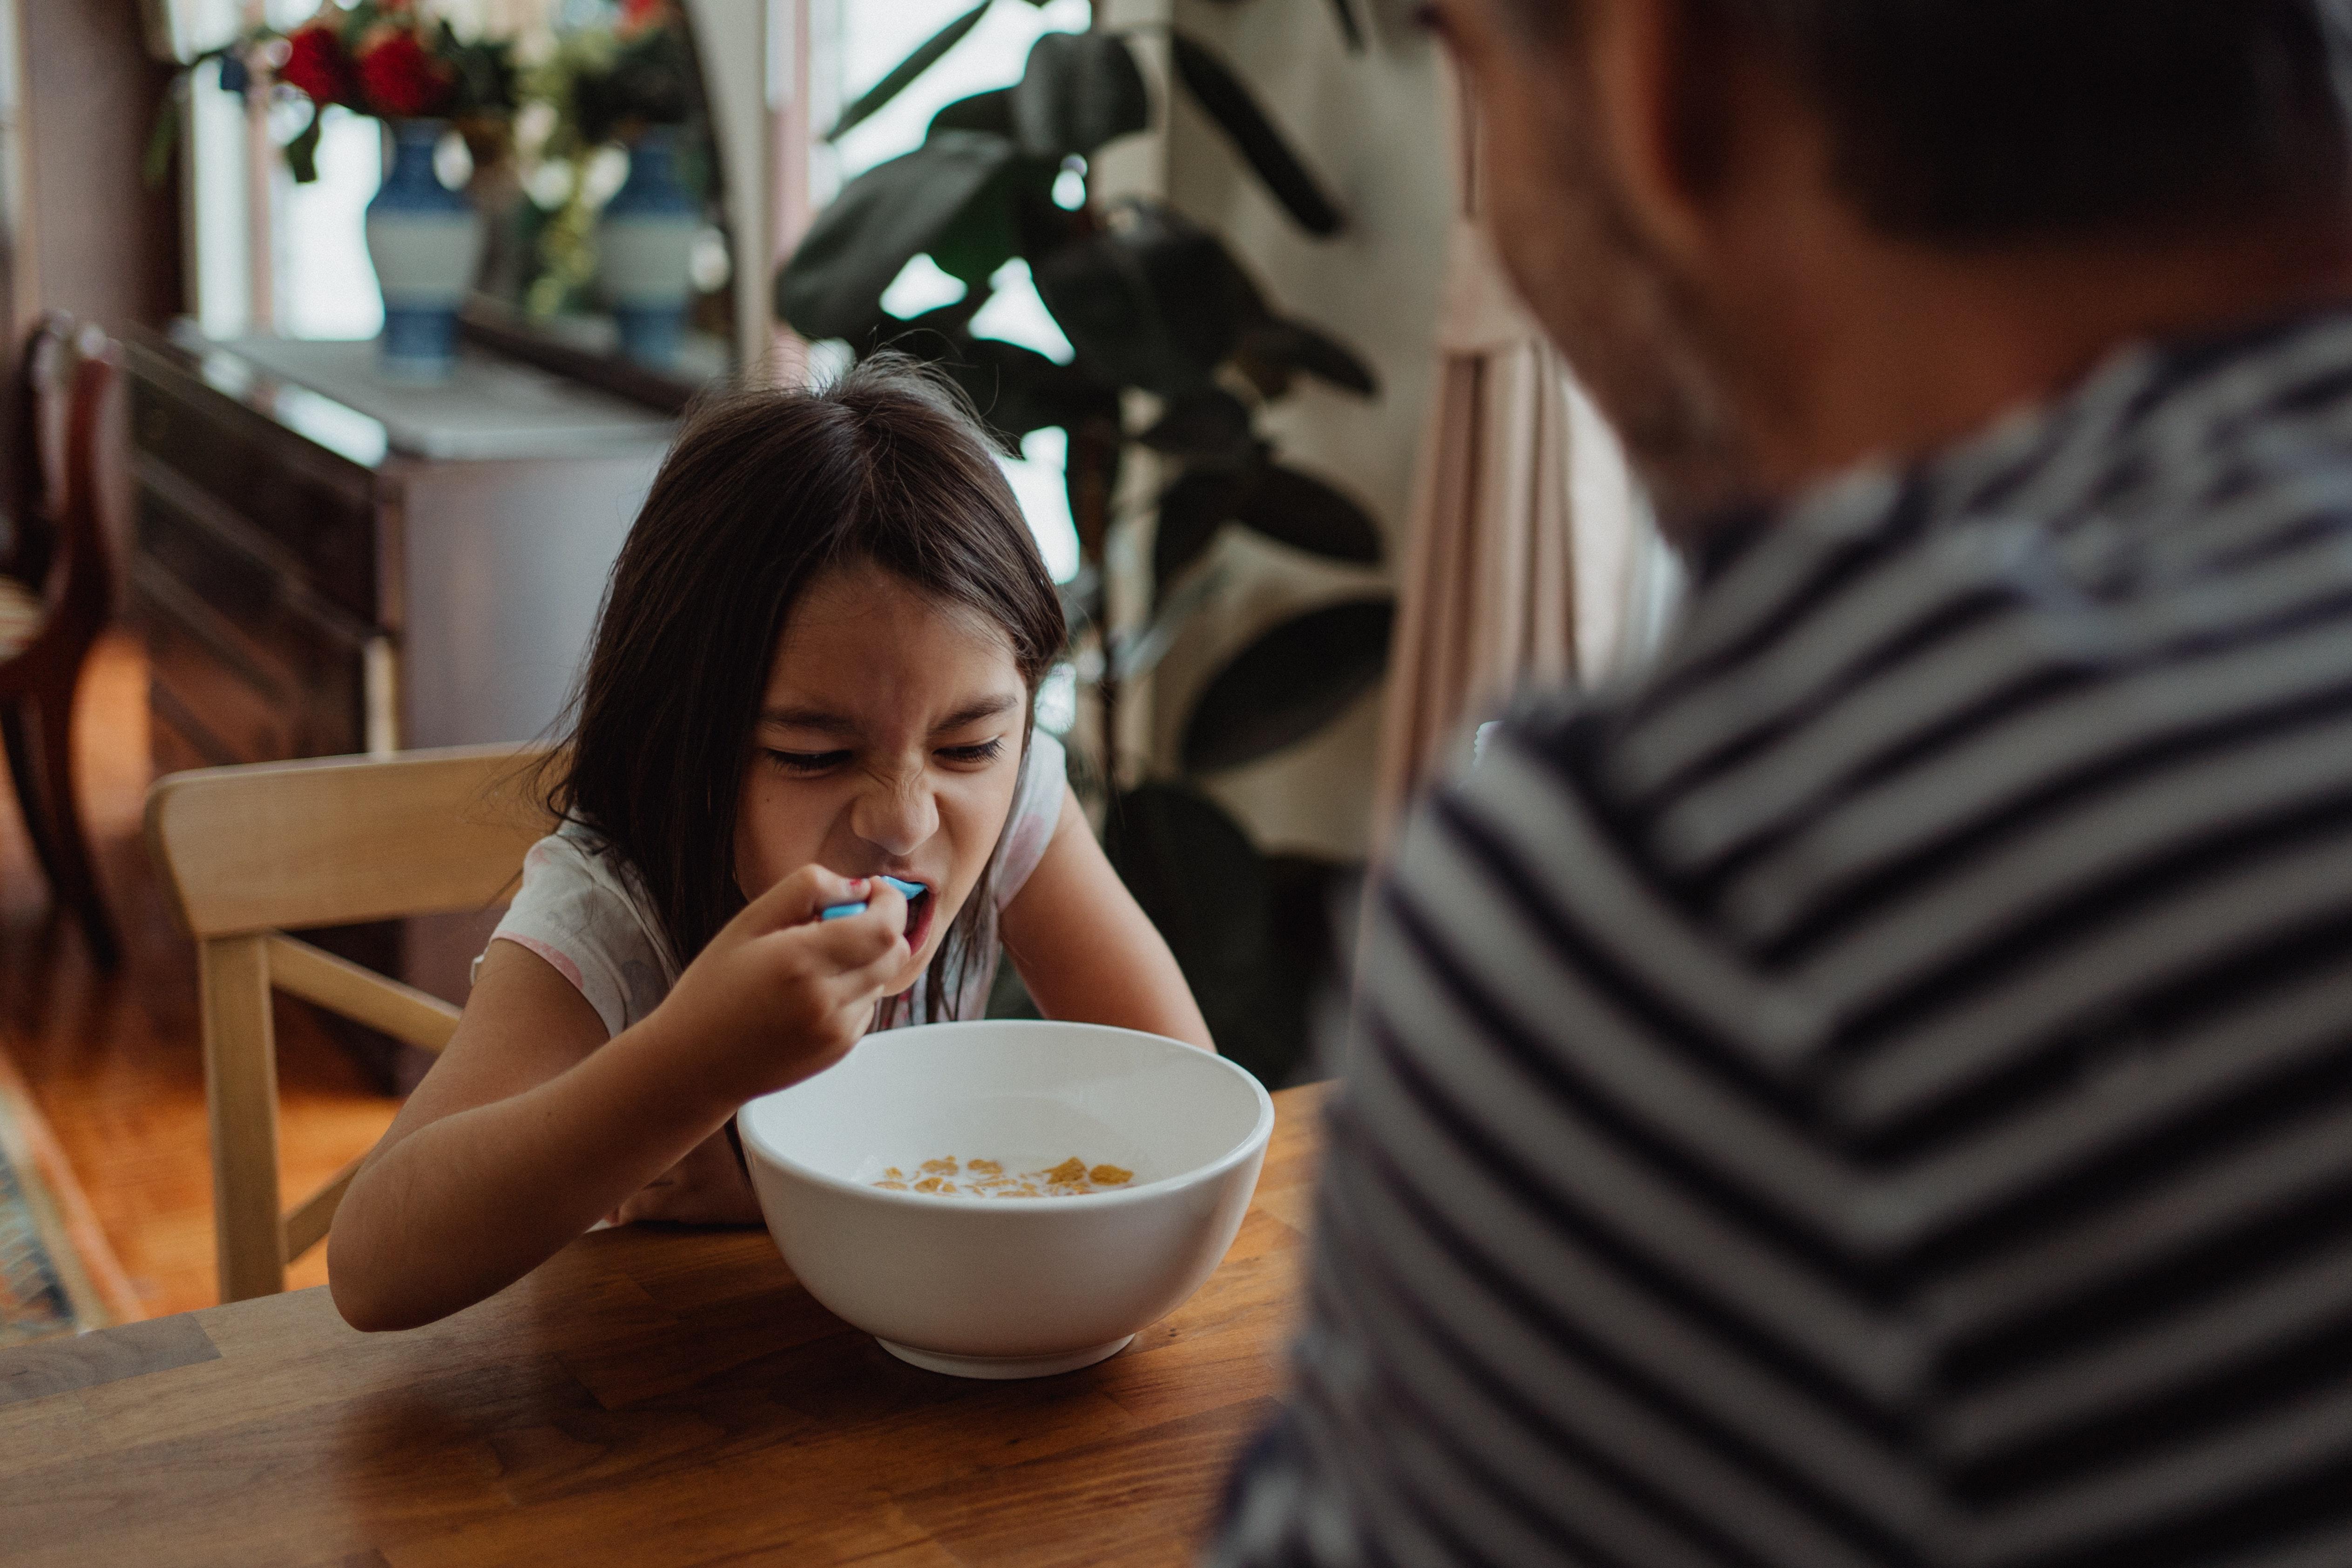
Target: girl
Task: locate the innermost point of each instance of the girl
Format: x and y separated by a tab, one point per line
815	668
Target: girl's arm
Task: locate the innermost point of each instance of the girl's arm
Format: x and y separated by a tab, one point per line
531	1127
1086	949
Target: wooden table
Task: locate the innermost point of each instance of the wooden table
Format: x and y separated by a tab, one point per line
648	1398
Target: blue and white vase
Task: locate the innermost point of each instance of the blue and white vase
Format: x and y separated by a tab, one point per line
426	243
644	251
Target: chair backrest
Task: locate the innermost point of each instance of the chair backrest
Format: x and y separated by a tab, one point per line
336	840
247	853
57	543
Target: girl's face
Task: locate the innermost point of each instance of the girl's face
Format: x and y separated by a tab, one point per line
888	743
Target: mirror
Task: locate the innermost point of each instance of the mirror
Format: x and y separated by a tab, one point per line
609	254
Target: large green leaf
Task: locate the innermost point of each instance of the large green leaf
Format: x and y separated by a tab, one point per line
989	231
900	77
1270	499
1017	390
989	112
1193	871
1220	92
1210	893
1101	298
1206	297
1288	684
1154	300
832	286
1305	513
1211	425
302	152
1273	349
1191	510
1079	90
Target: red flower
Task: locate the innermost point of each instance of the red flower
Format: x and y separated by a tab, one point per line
642	16
315	66
401	77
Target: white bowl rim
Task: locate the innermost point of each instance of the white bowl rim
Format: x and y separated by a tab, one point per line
1259	1134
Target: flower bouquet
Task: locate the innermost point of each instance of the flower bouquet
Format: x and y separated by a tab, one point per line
390	59
393	61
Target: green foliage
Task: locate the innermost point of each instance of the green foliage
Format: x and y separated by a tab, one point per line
1081	90
833	286
1272	352
1221	96
302	152
1211	425
647	79
901	76
1211	894
989	112
1149	302
1281	503
488	84
1289	683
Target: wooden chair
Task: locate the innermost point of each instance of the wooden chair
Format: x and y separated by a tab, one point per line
56	592
248	853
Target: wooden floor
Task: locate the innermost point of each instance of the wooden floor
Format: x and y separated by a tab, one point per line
113	1060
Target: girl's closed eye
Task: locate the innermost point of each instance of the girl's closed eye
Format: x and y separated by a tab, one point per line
807	761
973	756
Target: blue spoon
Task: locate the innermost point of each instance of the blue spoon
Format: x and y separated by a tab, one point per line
843	911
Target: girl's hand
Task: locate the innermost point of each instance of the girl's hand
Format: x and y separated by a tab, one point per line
707	1187
779	996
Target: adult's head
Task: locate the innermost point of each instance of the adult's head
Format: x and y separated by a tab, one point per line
820	645
1777	236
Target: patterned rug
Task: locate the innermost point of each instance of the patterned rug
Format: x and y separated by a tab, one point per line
57	1275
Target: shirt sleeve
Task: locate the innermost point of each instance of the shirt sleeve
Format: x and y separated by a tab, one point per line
584	926
1036	811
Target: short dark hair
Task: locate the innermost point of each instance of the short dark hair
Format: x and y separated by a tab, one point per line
1973	121
765	489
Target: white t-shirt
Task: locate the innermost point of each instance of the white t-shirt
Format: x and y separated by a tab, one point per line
581	907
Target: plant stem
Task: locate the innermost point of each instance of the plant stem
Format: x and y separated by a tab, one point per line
1094	458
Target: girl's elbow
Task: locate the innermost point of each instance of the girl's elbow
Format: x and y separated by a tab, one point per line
362	1307
366	1301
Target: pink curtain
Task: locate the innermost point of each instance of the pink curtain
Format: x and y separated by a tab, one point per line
1529	555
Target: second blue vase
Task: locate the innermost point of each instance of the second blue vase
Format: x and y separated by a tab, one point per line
644	248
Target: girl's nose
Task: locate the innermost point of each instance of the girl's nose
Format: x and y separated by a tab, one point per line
897	817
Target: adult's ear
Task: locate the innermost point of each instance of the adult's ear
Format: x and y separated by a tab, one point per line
1667	89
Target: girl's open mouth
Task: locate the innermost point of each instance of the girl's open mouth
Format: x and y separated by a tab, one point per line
920	904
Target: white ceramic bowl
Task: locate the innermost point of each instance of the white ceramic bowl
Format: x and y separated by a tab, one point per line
986	1287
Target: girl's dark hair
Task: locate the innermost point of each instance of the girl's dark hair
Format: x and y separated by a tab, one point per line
765	489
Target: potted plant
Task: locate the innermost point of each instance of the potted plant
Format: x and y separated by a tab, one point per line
390	61
1149	302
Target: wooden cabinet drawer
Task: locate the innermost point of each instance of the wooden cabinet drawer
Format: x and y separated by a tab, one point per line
246	669
320	520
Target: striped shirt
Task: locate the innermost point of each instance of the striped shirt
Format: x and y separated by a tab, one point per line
1879	1092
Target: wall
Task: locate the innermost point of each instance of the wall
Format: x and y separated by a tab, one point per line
104	246
1369	126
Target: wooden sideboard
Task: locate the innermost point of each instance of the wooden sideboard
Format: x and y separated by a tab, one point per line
326	563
